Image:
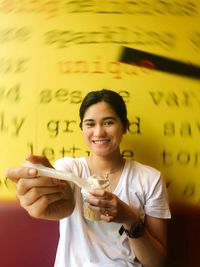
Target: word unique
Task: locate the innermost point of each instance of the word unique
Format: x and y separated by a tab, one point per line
98	67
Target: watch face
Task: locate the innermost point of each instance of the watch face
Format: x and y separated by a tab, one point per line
136	231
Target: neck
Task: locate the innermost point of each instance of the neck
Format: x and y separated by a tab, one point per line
105	165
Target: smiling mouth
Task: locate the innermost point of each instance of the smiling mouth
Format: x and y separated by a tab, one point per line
101	141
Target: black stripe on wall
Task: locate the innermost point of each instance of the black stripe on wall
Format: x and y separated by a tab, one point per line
144	59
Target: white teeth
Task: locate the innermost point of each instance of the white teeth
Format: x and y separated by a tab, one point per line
100	141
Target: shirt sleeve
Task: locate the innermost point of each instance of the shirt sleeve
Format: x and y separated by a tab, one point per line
156	202
66	165
63	164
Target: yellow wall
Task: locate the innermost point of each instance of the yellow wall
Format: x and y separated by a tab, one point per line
53	52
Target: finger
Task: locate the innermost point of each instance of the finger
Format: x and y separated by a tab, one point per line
59	182
23	185
39	160
105	211
35	193
15	174
106	214
107	218
38	208
98	202
101	193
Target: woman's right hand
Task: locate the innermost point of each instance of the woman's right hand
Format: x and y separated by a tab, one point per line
42	197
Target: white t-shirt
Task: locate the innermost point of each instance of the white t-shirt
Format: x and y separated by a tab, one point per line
85	243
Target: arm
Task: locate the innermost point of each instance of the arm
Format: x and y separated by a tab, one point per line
150	249
42	197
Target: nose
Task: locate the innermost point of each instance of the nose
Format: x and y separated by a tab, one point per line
99	131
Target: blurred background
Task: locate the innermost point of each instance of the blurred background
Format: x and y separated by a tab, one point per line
53	52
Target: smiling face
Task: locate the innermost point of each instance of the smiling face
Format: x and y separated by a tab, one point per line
102	129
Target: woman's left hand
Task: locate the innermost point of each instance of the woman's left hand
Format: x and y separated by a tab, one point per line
111	207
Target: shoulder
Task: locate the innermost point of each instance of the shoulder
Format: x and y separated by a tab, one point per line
145	178
142	170
150	188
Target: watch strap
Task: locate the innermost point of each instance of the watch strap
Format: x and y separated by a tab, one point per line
136	231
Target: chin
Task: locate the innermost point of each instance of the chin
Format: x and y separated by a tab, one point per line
102	153
98	153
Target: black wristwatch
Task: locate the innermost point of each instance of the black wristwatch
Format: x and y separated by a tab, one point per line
136	231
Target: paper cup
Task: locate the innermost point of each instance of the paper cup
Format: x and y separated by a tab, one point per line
87	212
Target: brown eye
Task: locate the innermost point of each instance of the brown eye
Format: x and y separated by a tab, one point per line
89	124
110	122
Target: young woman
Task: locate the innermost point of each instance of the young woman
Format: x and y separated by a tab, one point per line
132	229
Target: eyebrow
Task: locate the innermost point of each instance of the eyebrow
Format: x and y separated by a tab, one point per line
106	118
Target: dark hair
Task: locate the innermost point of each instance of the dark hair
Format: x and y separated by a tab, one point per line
110	97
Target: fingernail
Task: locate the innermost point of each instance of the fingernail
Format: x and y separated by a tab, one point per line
31	172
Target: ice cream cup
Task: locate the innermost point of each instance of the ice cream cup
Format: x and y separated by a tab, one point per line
88	213
96	182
